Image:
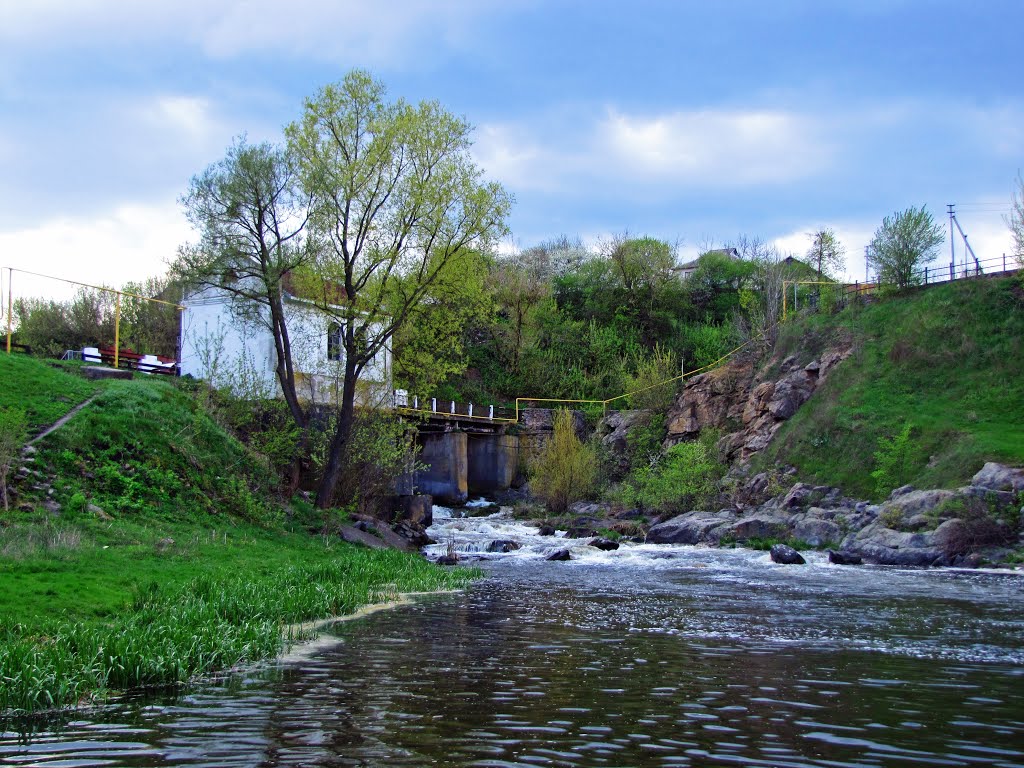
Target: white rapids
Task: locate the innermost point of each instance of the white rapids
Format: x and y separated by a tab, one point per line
471	536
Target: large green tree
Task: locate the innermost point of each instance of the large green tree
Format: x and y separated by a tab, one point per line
904	243
397	204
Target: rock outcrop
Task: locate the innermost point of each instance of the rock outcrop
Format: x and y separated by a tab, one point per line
732	394
910	528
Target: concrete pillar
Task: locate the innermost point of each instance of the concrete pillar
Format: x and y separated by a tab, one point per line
493	460
446	476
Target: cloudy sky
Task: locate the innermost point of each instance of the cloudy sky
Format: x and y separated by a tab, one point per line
692	121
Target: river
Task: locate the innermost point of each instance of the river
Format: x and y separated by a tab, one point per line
651	655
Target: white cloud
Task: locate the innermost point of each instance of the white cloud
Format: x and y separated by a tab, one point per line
322	29
701	149
188	117
716	147
129	242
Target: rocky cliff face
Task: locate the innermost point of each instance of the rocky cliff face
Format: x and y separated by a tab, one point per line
749	407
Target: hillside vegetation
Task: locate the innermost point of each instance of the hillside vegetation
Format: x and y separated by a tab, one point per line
935	388
147	545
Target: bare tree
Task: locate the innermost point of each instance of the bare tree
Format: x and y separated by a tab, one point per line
1015	221
251	217
827	253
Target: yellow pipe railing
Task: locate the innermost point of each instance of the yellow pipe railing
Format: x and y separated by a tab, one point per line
117	304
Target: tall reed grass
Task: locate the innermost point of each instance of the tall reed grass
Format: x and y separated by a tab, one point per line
165	637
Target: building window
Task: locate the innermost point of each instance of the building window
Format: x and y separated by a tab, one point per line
334	342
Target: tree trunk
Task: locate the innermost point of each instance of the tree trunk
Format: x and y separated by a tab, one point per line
338	453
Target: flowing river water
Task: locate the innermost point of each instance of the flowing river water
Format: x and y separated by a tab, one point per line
651	655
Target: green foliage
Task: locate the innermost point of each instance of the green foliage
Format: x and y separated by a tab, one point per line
895	461
13	430
644	442
707	343
566	469
88	319
765	544
952	356
685	478
43	392
714	287
176	628
903	244
651	387
432	348
146	449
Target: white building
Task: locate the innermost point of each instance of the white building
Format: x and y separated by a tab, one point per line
227	349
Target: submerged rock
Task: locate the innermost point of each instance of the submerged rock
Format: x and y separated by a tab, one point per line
786	555
546	530
843	557
606	545
503	545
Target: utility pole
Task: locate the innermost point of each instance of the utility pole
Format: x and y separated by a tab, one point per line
952	243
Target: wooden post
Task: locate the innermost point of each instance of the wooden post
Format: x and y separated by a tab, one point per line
117	329
10	304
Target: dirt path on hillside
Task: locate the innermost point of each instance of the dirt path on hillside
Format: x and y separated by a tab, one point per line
59	422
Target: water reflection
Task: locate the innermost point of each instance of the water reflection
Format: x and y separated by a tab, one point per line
683	657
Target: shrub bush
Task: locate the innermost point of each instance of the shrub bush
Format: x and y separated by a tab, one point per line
566	469
685	478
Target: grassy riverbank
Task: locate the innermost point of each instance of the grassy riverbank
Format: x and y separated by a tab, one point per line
146	546
946	362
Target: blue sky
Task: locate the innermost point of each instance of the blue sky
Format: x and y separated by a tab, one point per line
693	122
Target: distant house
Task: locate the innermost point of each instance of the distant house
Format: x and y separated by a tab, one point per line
685	271
227	348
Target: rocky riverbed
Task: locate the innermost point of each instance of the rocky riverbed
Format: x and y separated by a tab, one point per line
970	526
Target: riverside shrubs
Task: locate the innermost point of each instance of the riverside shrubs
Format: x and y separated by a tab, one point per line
566	470
684	478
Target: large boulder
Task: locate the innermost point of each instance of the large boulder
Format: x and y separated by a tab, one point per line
559	554
842	557
786	555
761	526
690	528
418	509
710	400
904	505
886	546
817	532
999	477
503	545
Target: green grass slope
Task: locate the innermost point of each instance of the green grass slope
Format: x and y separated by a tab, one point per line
948	361
167	553
44	392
